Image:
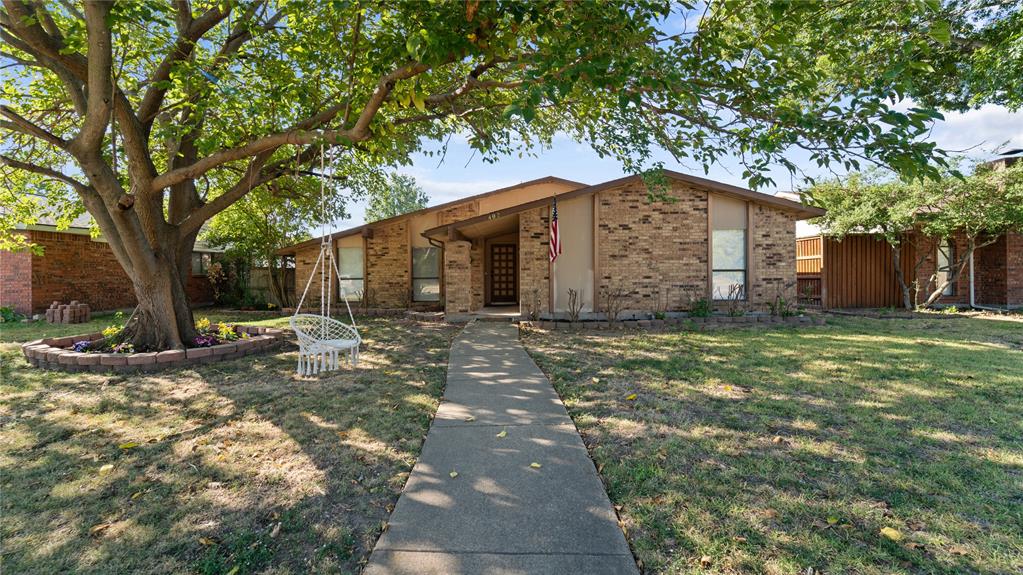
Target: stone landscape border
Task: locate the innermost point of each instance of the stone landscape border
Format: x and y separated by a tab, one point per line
699	323
54	353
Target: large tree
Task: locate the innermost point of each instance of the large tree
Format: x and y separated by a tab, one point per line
133	106
398	194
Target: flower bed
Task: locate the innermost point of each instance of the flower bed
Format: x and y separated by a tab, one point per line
64	353
699	323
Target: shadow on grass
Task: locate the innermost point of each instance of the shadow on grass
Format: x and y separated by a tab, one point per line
238	464
786	450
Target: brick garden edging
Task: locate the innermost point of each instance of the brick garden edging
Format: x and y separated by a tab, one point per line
712	322
54	353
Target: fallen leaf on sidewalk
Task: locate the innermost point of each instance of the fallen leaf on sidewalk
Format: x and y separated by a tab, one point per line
470	418
453	474
535	465
502	434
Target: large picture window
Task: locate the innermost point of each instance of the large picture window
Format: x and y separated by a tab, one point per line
350	266
946	256
425	274
728	254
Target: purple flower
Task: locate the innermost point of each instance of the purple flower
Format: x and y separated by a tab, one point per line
81	346
205	341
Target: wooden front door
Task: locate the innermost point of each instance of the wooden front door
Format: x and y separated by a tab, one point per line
504	280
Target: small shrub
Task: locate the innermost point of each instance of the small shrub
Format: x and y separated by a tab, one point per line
614	300
660	315
575	305
7	314
950	310
700	307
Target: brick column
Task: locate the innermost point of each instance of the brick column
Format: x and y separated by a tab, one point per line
456	278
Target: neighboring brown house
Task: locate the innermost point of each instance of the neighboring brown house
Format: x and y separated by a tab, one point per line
491	250
75	266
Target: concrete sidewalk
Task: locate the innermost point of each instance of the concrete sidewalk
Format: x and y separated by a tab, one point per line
499	514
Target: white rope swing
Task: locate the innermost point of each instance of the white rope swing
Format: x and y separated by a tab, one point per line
321	338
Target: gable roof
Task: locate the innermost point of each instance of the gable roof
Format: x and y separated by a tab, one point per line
290	250
801	210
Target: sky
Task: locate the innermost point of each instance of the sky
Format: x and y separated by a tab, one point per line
977	134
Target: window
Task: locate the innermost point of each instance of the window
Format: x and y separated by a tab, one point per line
200	263
425	274
350	266
946	255
729	220
729	275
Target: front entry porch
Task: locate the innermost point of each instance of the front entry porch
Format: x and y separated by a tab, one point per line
481	270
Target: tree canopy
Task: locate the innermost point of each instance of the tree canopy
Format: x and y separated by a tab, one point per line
979	208
398	194
126	109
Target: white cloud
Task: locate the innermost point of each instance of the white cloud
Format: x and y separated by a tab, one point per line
981	132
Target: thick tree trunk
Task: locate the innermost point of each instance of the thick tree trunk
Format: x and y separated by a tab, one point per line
163	319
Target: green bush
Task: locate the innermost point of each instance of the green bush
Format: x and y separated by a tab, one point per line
7	315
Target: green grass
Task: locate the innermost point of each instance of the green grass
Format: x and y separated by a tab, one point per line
238	465
788	451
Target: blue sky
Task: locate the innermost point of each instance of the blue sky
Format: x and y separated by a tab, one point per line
978	133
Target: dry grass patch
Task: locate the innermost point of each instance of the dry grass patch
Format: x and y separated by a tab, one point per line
237	464
868	446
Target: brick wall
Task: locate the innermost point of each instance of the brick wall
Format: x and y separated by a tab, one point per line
773	266
656	250
1014	269
456	213
305	259
990	274
476	272
16	281
457	274
75	267
534	268
387	264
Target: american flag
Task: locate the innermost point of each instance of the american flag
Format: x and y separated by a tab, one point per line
555	245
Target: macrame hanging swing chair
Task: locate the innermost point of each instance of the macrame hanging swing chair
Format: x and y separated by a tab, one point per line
322	340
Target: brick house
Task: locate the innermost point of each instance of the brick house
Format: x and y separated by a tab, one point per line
490	251
76	266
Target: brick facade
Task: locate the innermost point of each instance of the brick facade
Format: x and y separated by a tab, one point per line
16	281
772	271
657	251
387	265
534	266
457	273
73	267
998	272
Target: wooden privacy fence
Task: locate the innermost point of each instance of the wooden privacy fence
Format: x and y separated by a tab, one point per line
854	272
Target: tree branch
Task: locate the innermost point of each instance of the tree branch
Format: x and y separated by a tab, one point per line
43	171
191	33
298	135
21	124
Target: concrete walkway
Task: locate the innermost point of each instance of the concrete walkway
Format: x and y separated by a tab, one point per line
500	514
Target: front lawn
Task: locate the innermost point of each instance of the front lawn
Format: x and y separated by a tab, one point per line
234	467
867	446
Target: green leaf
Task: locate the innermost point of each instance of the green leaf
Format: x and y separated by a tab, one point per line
941	31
